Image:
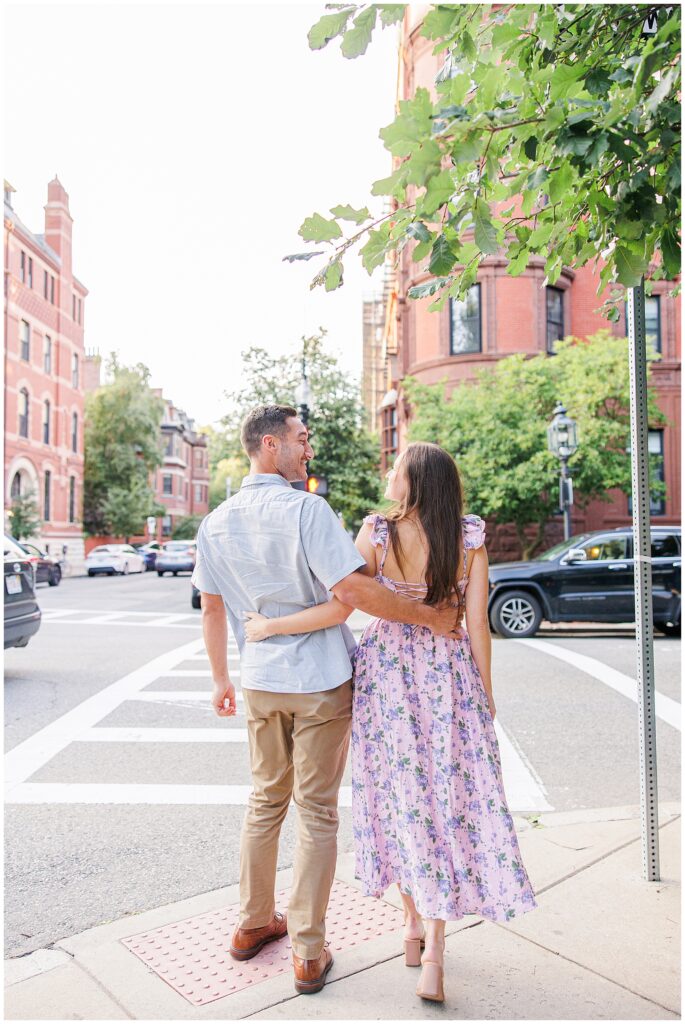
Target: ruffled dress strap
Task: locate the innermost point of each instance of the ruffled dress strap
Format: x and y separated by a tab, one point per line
379	535
473	532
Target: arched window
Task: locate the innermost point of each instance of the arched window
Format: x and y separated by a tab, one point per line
74	432
15	489
74	370
23	413
46	422
72	499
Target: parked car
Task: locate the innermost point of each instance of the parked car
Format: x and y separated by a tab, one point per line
195	596
114	558
149	553
22	614
176	556
46	568
588	578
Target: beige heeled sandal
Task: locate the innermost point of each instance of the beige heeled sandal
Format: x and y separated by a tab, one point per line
430	984
412	951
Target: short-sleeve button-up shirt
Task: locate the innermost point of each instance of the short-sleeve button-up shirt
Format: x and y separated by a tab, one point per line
276	550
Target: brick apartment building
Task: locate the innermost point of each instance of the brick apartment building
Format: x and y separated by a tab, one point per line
504	315
44	328
182	481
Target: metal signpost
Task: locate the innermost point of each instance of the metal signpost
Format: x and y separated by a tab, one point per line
644	631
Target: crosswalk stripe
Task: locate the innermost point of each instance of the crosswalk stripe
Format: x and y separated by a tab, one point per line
163	696
667	710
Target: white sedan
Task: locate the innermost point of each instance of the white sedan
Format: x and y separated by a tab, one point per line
114	558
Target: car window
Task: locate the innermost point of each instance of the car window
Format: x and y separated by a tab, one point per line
175	546
558	549
32	549
102	550
665	546
605	549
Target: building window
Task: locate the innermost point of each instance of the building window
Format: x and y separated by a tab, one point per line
389	436
555	317
47	355
52	290
22	268
169	450
23	413
15	489
652	320
73	307
46	284
74	370
465	323
46	422
198	492
46	495
167	484
24	339
79	310
655	447
30	273
74	432
166	526
72	499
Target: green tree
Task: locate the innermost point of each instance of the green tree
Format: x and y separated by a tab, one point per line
122	447
496	428
24	516
555	132
186	528
229	470
345	452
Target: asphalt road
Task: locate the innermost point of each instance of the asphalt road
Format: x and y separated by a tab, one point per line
125	654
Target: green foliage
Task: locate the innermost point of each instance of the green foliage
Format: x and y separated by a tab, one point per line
344	451
124	508
186	528
555	132
496	428
122	447
24	516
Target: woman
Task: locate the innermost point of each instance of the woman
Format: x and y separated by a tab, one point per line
429	808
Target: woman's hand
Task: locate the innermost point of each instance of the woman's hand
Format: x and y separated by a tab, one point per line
257	627
491	704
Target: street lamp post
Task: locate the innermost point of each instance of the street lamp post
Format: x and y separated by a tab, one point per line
562	440
303	398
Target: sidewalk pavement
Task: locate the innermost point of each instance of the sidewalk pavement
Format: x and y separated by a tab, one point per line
602	944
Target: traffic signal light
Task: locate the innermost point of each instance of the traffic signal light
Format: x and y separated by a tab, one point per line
317	484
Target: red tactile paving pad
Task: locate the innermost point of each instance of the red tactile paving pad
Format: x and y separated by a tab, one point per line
192	955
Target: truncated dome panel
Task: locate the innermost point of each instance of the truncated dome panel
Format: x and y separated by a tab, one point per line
192	955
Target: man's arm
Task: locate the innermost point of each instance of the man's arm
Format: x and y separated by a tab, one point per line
215	632
375	599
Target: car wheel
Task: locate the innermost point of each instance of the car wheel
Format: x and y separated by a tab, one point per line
90	572
196	601
22	643
174	574
159	572
516	614
55	577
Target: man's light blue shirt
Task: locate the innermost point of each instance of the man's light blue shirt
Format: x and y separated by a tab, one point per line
277	550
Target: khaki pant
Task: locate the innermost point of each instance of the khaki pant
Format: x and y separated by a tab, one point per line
298	749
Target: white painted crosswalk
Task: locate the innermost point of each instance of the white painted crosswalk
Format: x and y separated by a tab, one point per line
525	791
124	617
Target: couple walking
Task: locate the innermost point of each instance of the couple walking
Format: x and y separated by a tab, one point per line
429	809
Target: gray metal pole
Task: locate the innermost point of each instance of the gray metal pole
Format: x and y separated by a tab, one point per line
644	630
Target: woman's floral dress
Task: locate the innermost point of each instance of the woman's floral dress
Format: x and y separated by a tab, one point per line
428	803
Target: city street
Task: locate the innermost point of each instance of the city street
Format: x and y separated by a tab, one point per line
126	792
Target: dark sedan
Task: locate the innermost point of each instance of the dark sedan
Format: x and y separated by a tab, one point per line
22	614
588	578
47	569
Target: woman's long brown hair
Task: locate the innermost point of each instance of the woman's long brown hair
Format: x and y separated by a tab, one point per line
435	496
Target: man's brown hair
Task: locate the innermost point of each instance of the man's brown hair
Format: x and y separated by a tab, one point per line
264	419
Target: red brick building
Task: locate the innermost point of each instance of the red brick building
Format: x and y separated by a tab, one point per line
182	481
44	327
503	315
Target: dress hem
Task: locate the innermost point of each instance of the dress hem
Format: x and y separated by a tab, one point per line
439	916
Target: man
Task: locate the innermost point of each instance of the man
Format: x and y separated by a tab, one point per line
274	549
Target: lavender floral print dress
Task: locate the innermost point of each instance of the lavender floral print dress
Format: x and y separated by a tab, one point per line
428	803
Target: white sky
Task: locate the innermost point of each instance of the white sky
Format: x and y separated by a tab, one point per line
193	141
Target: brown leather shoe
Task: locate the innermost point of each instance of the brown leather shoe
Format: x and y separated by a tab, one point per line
310	975
247	942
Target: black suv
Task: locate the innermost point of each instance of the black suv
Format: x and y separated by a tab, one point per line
588	578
